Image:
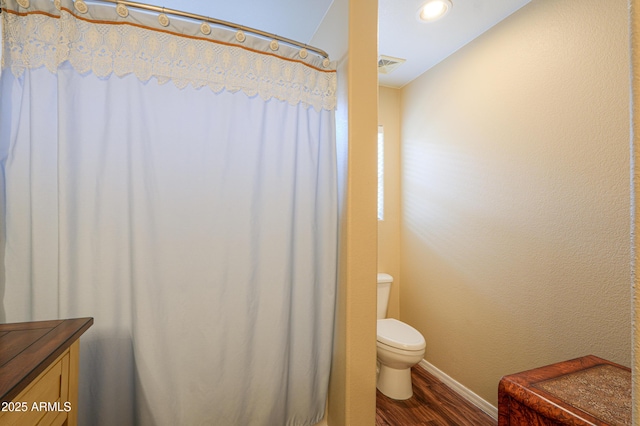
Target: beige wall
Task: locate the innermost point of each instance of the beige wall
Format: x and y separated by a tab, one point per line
389	228
515	195
635	212
352	388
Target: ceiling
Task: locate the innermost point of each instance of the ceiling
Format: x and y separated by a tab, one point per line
294	19
423	45
400	34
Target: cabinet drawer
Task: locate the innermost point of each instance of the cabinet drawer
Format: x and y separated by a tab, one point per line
42	402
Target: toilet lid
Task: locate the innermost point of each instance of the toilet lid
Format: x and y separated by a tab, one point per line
399	335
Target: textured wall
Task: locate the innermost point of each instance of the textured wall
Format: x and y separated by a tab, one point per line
389	228
635	61
515	195
352	388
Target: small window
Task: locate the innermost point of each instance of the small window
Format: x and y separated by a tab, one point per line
380	173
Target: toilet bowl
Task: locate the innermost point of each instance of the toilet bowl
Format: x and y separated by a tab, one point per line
399	347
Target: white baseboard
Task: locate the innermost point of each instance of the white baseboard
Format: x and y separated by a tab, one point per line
460	389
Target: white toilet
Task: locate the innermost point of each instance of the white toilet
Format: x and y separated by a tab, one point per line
400	347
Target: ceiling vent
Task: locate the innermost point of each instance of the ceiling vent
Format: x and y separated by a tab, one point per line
388	64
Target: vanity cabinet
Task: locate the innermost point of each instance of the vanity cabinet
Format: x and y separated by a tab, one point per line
39	372
583	391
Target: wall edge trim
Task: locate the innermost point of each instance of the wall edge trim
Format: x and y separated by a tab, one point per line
460	389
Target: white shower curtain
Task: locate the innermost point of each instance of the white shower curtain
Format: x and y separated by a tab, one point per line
181	191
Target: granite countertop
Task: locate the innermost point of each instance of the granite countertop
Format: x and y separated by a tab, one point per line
604	391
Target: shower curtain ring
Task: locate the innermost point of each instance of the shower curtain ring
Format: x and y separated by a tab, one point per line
163	19
274	43
303	53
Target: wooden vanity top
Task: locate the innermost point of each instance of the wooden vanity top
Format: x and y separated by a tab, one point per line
27	348
582	391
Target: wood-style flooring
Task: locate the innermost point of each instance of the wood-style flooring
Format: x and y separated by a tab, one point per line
432	404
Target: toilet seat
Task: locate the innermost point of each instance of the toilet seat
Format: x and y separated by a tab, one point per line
397	334
405	352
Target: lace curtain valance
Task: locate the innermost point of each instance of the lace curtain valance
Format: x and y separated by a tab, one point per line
106	40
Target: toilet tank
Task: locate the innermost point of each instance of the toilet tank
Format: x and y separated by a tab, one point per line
384	289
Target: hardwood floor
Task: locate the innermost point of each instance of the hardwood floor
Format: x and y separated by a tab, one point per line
432	404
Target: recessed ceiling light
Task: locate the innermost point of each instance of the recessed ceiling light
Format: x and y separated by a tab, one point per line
433	10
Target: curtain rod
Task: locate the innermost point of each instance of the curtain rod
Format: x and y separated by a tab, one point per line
217	22
214	21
